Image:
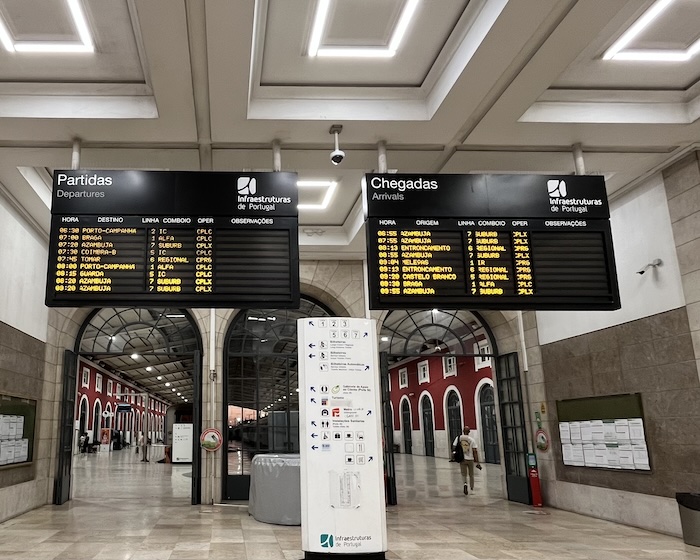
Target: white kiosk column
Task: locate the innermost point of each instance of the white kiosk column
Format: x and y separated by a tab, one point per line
342	475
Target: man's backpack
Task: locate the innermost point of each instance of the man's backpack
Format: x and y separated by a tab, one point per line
458	452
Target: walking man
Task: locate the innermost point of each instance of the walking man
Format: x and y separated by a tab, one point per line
471	458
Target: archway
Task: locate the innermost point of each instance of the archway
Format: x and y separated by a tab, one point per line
132	354
261	389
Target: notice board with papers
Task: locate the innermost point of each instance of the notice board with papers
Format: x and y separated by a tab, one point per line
604	432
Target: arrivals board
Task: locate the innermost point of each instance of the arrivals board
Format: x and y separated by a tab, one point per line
489	242
190	239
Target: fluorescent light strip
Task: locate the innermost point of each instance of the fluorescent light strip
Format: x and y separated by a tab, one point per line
330	185
400	30
322	9
86	45
653	56
5	38
616	50
319	26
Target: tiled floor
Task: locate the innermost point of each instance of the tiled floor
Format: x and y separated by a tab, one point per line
127	510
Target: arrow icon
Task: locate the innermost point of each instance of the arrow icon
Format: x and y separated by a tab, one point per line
312	345
312	389
370	459
313	422
369	413
312	323
314	435
314	447
365	335
366	368
313	400
312	355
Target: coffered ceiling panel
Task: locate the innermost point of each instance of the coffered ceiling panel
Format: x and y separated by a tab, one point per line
504	86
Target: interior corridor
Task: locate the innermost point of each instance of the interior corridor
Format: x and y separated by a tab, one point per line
124	509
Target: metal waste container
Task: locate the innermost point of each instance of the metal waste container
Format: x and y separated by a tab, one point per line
275	489
689	508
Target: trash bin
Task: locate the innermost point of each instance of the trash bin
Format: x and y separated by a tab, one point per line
689	508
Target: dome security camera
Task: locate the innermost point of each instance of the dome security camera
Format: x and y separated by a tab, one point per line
337	156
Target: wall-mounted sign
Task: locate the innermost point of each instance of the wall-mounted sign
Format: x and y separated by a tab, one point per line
190	239
211	439
489	241
542	440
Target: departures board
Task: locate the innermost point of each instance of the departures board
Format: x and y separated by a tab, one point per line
189	239
489	242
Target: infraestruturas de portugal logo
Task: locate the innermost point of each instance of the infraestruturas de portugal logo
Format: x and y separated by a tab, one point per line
326	540
556	188
247	185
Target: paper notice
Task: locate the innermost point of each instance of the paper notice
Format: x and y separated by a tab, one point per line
597	431
609	434
567	452
564	432
641	457
622	429
601	455
626	457
586	434
575	428
636	427
613	457
577	450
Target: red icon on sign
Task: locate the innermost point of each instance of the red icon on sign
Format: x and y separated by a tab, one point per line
336	413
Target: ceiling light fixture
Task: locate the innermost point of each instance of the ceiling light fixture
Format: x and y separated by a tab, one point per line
134	356
319	27
149	368
176	316
167	384
617	50
84	46
159	377
330	190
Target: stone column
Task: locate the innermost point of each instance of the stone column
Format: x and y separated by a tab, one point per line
682	182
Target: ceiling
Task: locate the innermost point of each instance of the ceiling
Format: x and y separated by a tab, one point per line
475	86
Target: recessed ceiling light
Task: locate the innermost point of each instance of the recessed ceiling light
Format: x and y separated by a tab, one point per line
149	368
176	316
385	339
167	384
84	46
329	185
179	394
159	377
617	50
134	356
173	389
321	20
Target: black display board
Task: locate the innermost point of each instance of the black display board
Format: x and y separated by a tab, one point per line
190	239
489	242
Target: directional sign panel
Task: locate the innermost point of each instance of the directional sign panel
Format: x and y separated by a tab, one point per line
342	490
